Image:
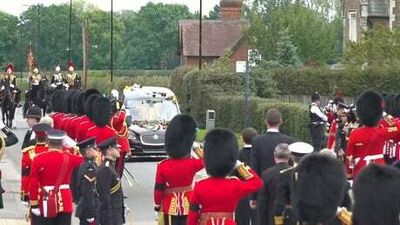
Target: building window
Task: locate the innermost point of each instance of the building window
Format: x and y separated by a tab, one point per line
352	26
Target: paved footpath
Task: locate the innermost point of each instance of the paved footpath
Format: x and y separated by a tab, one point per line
14	212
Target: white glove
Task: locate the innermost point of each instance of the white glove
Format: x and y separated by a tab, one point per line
15	91
12	85
53	85
68	142
35	211
238	164
2	125
90	220
2	87
25	203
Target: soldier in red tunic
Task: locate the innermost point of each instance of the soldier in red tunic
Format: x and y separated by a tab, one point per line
101	116
28	155
121	128
214	199
87	120
366	143
51	173
174	175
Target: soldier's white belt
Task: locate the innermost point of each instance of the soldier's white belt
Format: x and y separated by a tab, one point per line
62	187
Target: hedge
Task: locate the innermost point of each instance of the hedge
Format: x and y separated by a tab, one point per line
352	80
221	90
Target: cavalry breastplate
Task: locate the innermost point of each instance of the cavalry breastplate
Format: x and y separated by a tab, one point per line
71	78
36	78
57	78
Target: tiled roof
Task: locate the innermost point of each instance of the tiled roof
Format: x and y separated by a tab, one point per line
217	36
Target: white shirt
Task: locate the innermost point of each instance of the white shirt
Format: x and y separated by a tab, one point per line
317	111
274	130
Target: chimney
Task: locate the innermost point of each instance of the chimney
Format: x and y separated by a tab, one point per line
231	9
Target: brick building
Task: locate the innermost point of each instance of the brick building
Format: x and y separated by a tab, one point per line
360	15
218	36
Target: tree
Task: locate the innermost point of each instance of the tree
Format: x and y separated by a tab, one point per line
8	40
151	37
286	52
214	14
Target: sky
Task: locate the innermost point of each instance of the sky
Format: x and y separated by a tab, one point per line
15	7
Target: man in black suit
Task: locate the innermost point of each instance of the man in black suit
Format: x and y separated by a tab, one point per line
244	214
263	146
271	180
262	155
33	116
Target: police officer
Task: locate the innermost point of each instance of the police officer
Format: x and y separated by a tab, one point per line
111	207
282	209
317	121
86	184
33	116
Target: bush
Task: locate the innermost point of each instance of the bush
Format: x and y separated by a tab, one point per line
352	80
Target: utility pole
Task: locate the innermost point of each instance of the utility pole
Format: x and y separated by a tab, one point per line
200	33
247	95
112	41
85	47
70	30
38	34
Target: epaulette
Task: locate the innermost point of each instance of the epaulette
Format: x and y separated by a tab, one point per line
29	148
286	170
389	120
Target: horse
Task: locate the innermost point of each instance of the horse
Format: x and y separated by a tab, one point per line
8	104
40	97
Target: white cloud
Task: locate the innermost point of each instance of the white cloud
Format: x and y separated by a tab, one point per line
15	7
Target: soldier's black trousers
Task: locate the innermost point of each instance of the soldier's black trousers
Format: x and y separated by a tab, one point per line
61	219
175	220
317	136
36	220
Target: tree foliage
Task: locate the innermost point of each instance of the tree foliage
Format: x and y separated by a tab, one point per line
147	39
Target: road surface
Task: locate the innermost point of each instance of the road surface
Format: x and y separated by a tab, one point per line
139	196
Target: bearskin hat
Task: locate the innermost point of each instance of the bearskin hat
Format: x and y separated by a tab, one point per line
75	101
10	66
101	111
221	152
180	135
68	101
90	92
395	106
377	196
57	100
369	105
89	105
319	186
80	105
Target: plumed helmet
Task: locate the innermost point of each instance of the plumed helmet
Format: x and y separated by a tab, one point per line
369	106
180	135
318	188
10	66
221	152
101	113
315	97
70	63
377	196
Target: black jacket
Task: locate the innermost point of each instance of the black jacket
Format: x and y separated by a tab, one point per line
86	191
111	207
269	192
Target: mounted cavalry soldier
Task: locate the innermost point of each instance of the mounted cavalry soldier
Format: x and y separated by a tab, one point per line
73	79
35	79
57	80
10	78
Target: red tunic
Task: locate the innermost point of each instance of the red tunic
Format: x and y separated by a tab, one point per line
57	117
391	148
44	172
65	121
72	126
366	146
28	154
332	135
220	195
84	126
101	133
173	186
